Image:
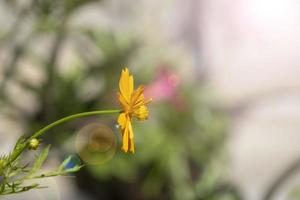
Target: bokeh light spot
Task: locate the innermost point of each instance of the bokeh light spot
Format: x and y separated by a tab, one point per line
96	144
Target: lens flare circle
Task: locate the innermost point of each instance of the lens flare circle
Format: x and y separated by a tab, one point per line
96	143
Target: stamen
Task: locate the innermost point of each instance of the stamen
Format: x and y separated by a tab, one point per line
139	91
141	103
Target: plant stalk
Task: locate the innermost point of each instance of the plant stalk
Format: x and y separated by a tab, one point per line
37	134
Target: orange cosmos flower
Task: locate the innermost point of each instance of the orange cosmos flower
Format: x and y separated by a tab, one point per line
133	105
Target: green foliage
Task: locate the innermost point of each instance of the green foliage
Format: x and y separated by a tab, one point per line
14	173
179	153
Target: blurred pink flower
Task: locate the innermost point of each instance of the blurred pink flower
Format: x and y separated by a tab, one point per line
165	87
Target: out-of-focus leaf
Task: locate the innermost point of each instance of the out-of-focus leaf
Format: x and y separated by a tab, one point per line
39	161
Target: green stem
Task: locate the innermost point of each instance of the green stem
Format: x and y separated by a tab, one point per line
71	117
58	122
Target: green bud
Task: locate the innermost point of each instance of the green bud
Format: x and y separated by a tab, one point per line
34	144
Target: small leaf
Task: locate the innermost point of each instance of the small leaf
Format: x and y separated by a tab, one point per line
74	169
15	172
20	142
39	161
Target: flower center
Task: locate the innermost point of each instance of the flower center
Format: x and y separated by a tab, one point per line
141	113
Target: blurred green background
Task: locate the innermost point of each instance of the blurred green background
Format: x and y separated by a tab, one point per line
60	57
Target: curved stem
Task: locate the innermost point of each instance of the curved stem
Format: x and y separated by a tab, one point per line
71	117
56	123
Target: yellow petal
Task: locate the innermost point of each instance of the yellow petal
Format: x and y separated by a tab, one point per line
130	130
132	145
137	95
126	132
131	138
122	120
138	98
125	140
123	103
126	85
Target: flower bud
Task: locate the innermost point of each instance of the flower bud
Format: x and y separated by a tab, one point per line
33	144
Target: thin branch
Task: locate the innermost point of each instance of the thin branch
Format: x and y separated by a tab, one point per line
281	179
